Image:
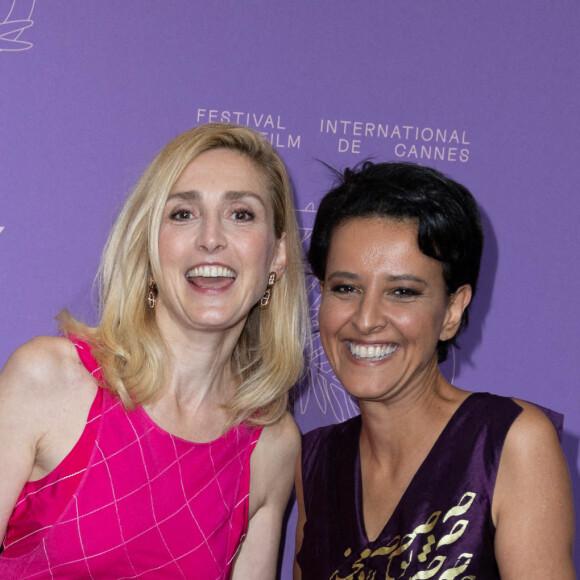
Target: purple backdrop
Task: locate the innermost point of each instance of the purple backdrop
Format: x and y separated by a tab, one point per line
485	92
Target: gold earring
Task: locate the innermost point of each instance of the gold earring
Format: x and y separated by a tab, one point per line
152	296
265	300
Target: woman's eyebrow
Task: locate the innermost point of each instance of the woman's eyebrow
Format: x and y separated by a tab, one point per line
190	195
406	278
343	274
232	195
236	195
389	278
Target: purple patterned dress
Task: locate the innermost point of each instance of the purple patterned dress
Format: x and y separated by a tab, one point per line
442	527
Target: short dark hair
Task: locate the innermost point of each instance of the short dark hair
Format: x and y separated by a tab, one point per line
449	224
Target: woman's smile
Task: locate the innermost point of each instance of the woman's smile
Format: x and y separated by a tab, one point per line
370	352
211	277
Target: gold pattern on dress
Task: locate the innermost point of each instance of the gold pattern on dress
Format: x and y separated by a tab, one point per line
432	569
386	550
426	548
463	505
456	533
417	553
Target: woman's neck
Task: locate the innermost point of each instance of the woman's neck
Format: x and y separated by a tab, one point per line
394	428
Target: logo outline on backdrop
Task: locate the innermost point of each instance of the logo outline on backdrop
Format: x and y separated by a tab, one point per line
320	386
18	19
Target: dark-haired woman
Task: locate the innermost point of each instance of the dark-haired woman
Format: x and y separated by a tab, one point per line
430	481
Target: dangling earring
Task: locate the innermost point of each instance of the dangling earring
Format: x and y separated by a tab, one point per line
152	296
265	300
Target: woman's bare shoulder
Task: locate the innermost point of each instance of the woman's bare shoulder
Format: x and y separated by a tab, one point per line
29	394
45	396
274	458
41	369
282	437
532	505
532	427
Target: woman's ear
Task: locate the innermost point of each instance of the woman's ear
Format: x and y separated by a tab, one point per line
458	302
278	263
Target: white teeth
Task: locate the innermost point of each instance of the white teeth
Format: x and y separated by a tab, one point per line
211	272
372	353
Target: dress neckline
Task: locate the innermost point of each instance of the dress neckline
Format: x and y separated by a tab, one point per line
90	363
187	442
357	475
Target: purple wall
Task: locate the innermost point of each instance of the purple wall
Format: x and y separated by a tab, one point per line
486	92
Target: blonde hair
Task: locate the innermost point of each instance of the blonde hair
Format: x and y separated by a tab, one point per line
269	356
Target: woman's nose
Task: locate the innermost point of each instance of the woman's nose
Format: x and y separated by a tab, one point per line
211	234
370	315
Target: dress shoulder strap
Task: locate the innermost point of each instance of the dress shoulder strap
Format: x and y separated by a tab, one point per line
86	356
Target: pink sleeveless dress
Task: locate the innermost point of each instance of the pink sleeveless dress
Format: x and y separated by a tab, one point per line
133	501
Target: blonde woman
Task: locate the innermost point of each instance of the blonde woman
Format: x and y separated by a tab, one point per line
157	444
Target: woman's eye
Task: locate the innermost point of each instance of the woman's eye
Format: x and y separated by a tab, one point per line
243	215
181	215
343	289
405	292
